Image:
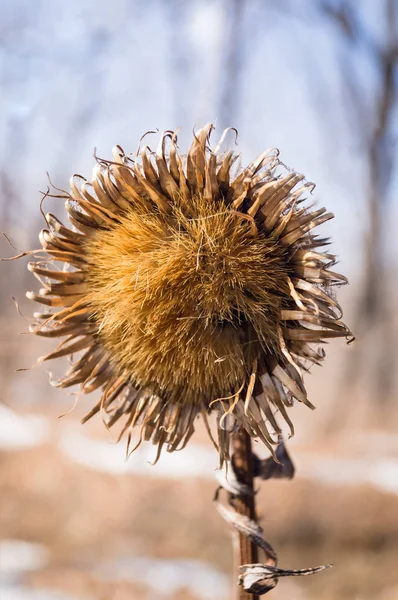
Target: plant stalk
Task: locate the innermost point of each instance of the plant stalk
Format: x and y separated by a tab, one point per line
242	458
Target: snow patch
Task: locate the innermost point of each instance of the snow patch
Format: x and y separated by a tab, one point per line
21	431
18	556
194	461
167	577
23	593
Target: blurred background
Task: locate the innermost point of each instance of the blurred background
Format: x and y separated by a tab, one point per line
319	80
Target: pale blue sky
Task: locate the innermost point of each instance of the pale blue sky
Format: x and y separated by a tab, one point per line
91	73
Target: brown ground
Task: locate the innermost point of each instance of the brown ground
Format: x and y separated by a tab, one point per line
86	518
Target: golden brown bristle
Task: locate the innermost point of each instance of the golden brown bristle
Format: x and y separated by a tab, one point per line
189	289
185	303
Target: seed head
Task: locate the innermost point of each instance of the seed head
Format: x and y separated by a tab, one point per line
189	287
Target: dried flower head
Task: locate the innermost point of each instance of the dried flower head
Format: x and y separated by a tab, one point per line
189	290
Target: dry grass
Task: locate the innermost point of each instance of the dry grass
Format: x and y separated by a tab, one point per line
87	518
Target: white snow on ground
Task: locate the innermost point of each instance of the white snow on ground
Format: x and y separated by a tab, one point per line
21	431
17	556
194	461
201	461
19	592
382	473
166	577
376	462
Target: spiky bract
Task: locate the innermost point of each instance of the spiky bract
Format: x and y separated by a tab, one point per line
189	289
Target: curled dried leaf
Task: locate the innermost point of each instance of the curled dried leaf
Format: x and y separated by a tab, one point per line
260	578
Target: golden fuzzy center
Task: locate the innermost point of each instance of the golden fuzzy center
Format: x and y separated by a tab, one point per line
185	303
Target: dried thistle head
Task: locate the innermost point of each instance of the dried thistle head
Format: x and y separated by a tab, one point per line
188	290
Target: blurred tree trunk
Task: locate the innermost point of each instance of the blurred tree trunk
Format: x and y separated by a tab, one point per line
369	360
380	159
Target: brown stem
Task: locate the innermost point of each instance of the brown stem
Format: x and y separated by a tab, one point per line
245	505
